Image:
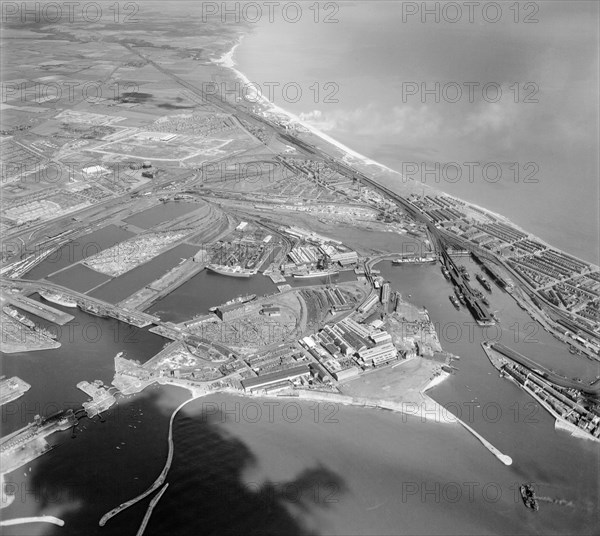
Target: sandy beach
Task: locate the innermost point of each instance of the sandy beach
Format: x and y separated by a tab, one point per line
227	61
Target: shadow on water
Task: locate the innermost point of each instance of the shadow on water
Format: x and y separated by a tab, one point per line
207	491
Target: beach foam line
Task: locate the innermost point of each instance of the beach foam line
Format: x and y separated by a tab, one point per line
227	61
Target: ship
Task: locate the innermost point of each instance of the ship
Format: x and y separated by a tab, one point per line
454	301
239	299
45	333
478	294
528	496
446	272
414	260
460	296
484	282
232	271
10	311
57	298
308	275
93	309
463	271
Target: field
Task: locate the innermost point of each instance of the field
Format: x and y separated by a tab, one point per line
159	146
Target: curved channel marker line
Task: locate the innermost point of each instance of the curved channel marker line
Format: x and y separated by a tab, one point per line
158	481
151	506
38	519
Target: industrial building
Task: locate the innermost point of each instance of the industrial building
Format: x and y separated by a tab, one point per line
283	377
235	310
378	355
355	327
381	337
346	374
304	254
369	303
344	258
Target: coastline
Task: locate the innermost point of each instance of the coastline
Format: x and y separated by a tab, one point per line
427	410
227	61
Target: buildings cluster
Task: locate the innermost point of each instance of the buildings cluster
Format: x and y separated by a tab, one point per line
42	205
346	348
566	403
304	255
268	361
333	254
562	280
310	254
440	208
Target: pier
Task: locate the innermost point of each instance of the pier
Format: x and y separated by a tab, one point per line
561	381
572	404
505	459
26	444
39	309
12	388
158	482
86	303
151	506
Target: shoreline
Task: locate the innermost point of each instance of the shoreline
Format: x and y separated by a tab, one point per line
227	61
406	408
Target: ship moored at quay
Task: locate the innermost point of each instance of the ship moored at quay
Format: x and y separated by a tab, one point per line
239	300
232	271
59	299
309	275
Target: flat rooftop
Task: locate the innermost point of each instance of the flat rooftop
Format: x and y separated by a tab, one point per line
275	376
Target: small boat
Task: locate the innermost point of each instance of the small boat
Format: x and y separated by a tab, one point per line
528	496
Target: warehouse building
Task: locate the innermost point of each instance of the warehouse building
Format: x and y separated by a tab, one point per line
378	355
282	377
